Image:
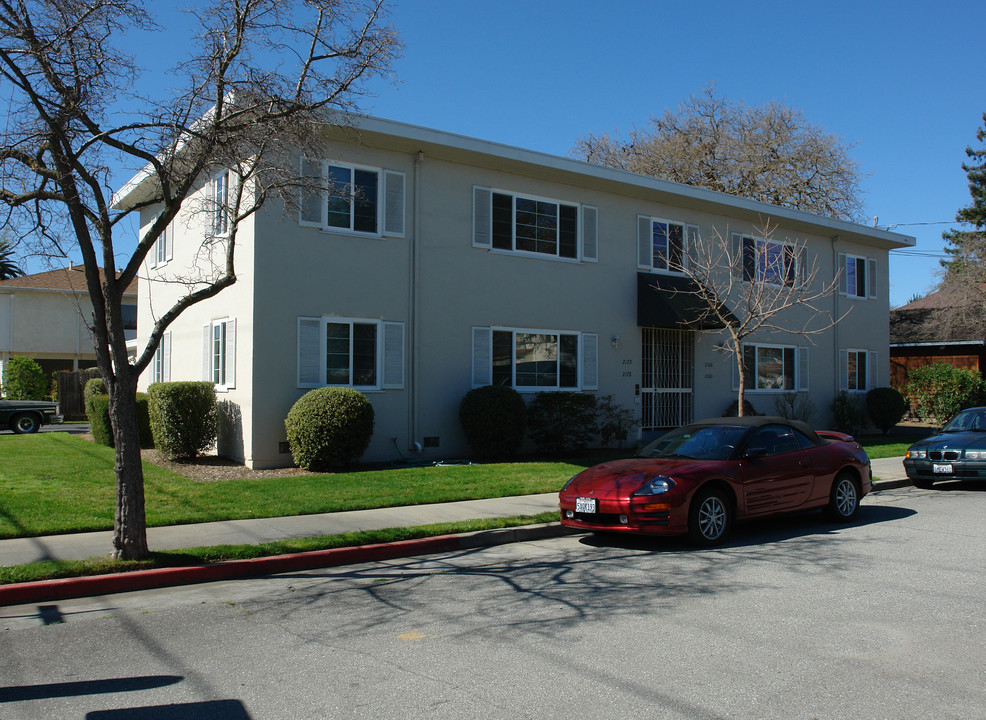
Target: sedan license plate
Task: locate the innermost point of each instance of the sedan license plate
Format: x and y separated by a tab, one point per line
585	505
942	468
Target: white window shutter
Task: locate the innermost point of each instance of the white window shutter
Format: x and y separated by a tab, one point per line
207	352
482	217
482	356
590	233
872	370
645	243
166	357
692	241
871	278
313	202
802	368
393	355
590	361
230	358
843	370
736	260
393	223
309	352
843	275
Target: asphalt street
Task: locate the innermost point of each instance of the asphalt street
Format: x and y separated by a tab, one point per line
795	618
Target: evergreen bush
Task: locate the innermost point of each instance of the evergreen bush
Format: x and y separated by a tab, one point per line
97	406
561	421
886	407
848	413
23	379
494	420
183	417
940	390
328	427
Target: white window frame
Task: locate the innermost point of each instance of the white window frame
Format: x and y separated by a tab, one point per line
869	266
219	204
846	381
645	243
163	250
388	352
389	200
161	364
587	359
586	225
738	250
219	363
801	374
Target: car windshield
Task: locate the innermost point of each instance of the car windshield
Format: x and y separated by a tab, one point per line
966	421
714	442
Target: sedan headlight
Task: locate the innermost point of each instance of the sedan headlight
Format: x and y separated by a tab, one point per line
655	486
570	481
975	454
913	454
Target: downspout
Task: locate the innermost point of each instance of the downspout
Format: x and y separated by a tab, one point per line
413	309
835	314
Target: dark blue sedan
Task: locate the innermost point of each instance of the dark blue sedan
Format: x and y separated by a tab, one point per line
956	452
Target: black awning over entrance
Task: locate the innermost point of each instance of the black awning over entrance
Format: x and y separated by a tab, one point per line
671	301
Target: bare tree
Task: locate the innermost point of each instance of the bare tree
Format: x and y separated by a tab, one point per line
262	77
769	153
752	284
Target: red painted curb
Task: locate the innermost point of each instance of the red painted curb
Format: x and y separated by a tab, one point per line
64	588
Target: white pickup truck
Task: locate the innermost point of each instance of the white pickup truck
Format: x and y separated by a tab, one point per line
27	416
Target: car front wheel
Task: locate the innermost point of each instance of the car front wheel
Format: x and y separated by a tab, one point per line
25	423
710	517
844	498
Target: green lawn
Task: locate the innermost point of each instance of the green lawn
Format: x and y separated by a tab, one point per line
56	483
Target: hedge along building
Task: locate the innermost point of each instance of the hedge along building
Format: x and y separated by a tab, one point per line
439	263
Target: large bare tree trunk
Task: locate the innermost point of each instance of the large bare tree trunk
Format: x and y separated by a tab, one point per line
129	528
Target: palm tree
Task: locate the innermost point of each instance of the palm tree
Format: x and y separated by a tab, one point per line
8	268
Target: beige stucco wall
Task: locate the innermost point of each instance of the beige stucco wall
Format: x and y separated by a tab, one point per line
435	282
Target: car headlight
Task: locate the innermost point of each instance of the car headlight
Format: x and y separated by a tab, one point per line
655	486
913	454
570	481
975	454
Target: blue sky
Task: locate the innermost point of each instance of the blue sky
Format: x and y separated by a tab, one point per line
902	81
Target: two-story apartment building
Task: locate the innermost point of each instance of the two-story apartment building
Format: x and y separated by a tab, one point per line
440	263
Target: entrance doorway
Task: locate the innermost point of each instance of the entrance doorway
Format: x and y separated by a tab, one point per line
667	378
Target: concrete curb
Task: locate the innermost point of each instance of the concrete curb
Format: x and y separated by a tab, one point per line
65	588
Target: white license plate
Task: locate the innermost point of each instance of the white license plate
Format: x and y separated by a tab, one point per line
942	468
585	505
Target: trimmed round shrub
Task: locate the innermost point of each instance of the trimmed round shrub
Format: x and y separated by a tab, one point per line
329	427
561	421
885	406
494	420
23	379
183	417
97	404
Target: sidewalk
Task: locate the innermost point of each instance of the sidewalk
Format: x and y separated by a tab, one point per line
888	472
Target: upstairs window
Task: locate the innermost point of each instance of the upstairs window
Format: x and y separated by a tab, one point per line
524	224
858	278
352	199
220	204
663	244
766	261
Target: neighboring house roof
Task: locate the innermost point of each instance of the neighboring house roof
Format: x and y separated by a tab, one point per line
70	279
444	145
939	318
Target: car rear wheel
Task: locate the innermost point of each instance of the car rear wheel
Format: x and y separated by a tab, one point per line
23	423
843	499
710	517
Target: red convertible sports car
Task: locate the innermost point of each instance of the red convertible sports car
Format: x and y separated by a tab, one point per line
702	477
